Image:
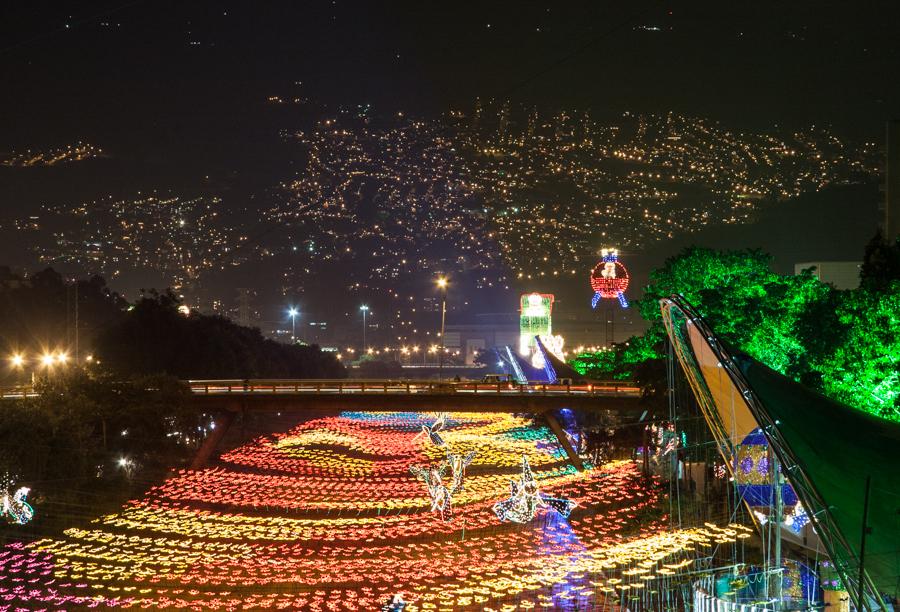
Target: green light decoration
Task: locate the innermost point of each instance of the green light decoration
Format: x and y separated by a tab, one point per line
845	344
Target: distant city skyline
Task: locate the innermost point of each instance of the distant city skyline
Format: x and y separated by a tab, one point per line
334	153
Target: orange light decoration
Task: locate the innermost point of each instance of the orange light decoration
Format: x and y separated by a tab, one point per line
327	516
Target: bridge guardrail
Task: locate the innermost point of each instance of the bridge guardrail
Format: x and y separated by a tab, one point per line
404	387
17	392
395	387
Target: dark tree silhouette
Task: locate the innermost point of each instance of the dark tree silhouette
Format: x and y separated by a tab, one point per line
154	337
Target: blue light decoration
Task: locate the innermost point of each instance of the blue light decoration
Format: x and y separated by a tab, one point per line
754	479
525	499
799	585
609	279
799	582
559	539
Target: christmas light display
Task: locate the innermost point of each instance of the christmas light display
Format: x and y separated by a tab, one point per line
525	499
326	516
458	464
441	498
13	506
536	321
432	431
753	479
609	279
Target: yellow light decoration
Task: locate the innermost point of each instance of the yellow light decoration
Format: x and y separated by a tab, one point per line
327	516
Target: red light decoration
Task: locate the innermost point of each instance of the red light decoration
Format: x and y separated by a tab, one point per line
609	279
326	516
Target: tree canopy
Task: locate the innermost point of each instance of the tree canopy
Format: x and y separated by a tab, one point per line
845	344
155	337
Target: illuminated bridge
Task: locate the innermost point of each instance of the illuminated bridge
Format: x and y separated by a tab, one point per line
408	395
228	398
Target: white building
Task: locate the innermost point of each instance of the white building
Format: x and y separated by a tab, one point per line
841	274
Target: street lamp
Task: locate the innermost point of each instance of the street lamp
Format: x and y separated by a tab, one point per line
364	310
293	312
442	285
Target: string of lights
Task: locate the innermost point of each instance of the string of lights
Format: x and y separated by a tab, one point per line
254	530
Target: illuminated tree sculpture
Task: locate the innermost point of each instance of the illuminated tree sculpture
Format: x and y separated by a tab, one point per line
525	499
609	279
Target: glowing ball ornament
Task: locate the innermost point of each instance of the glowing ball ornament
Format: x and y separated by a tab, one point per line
609	279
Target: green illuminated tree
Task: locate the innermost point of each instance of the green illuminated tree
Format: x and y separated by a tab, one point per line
864	369
845	344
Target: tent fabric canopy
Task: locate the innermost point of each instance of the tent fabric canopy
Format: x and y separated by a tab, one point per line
828	449
838	447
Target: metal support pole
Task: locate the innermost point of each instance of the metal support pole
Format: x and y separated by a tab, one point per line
861	588
557	429
779	512
77	361
222	424
443	319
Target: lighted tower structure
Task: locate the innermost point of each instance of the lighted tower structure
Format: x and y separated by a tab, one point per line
609	279
534	320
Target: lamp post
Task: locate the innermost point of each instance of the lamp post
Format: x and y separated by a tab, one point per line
442	285
47	361
293	312
364	310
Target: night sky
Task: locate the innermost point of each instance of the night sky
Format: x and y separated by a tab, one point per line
133	65
173	91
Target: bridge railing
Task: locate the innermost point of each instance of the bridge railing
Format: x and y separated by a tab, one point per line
405	387
17	392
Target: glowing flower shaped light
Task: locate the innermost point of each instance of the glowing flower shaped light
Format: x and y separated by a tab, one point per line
328	516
